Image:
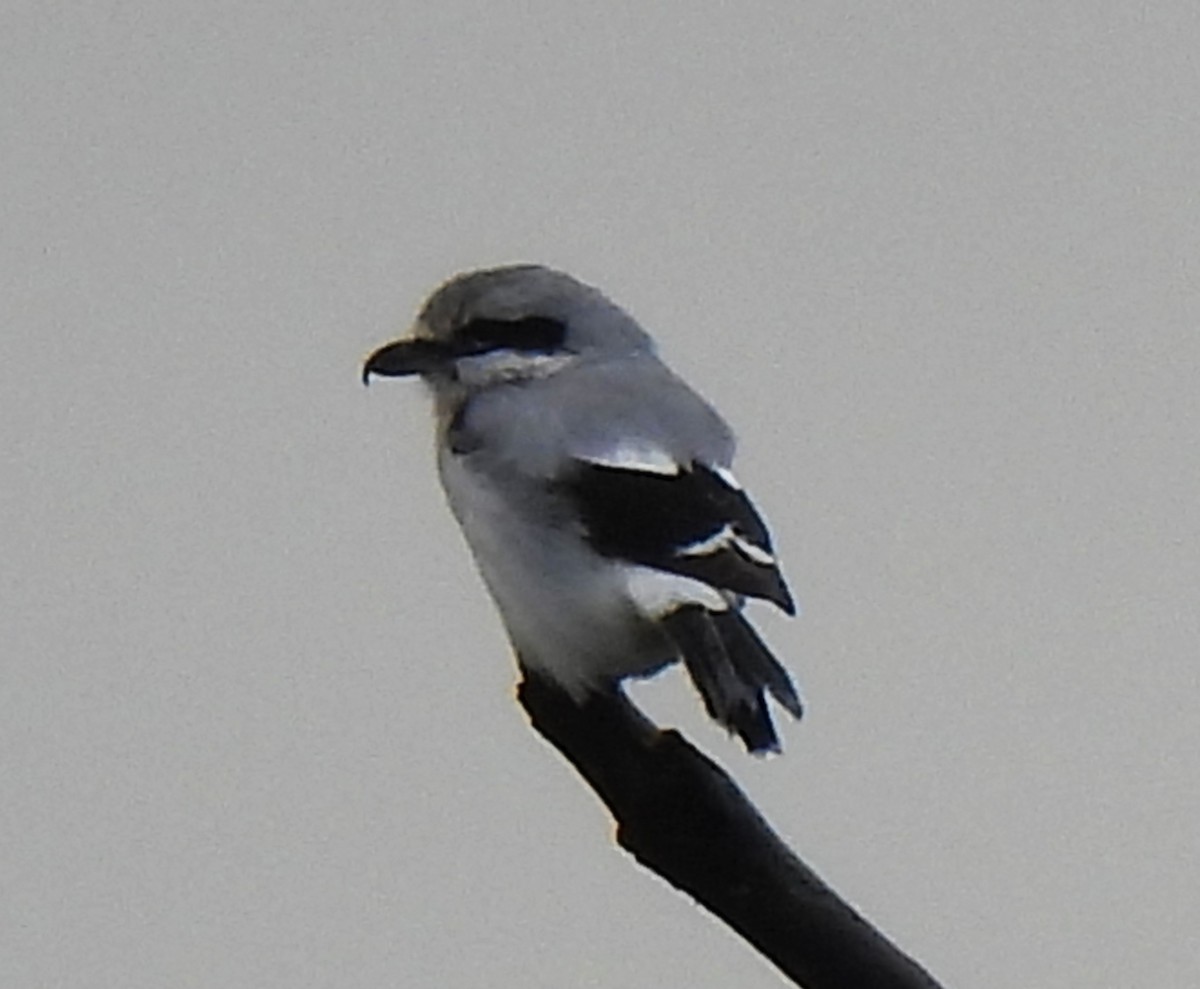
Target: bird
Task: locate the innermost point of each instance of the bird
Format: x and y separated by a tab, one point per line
594	489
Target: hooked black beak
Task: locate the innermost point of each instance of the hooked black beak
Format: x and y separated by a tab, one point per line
404	357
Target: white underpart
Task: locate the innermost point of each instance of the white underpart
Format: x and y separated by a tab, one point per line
509	365
726	475
570	613
656	592
722	539
635	454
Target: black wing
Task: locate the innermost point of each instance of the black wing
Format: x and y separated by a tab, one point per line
693	522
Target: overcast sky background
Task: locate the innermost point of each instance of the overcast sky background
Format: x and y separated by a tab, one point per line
937	263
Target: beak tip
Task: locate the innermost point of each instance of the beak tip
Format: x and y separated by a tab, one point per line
403	358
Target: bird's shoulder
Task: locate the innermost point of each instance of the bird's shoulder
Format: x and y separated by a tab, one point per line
588	413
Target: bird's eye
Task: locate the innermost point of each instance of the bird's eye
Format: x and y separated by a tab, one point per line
537	334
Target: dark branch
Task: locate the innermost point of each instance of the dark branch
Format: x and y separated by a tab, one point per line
681	816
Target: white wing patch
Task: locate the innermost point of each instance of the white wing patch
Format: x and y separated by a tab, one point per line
726	538
718	541
656	592
726	475
635	454
756	553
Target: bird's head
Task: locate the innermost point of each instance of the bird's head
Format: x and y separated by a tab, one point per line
504	326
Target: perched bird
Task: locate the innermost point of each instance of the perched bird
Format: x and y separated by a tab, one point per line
593	487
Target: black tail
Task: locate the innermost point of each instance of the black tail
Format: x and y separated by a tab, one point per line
731	667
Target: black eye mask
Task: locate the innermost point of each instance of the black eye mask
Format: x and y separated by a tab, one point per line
533	334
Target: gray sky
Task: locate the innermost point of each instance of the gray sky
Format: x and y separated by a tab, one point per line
937	264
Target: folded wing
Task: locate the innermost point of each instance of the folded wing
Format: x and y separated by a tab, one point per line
694	521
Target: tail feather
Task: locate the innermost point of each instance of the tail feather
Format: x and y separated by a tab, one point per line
758	665
730	667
